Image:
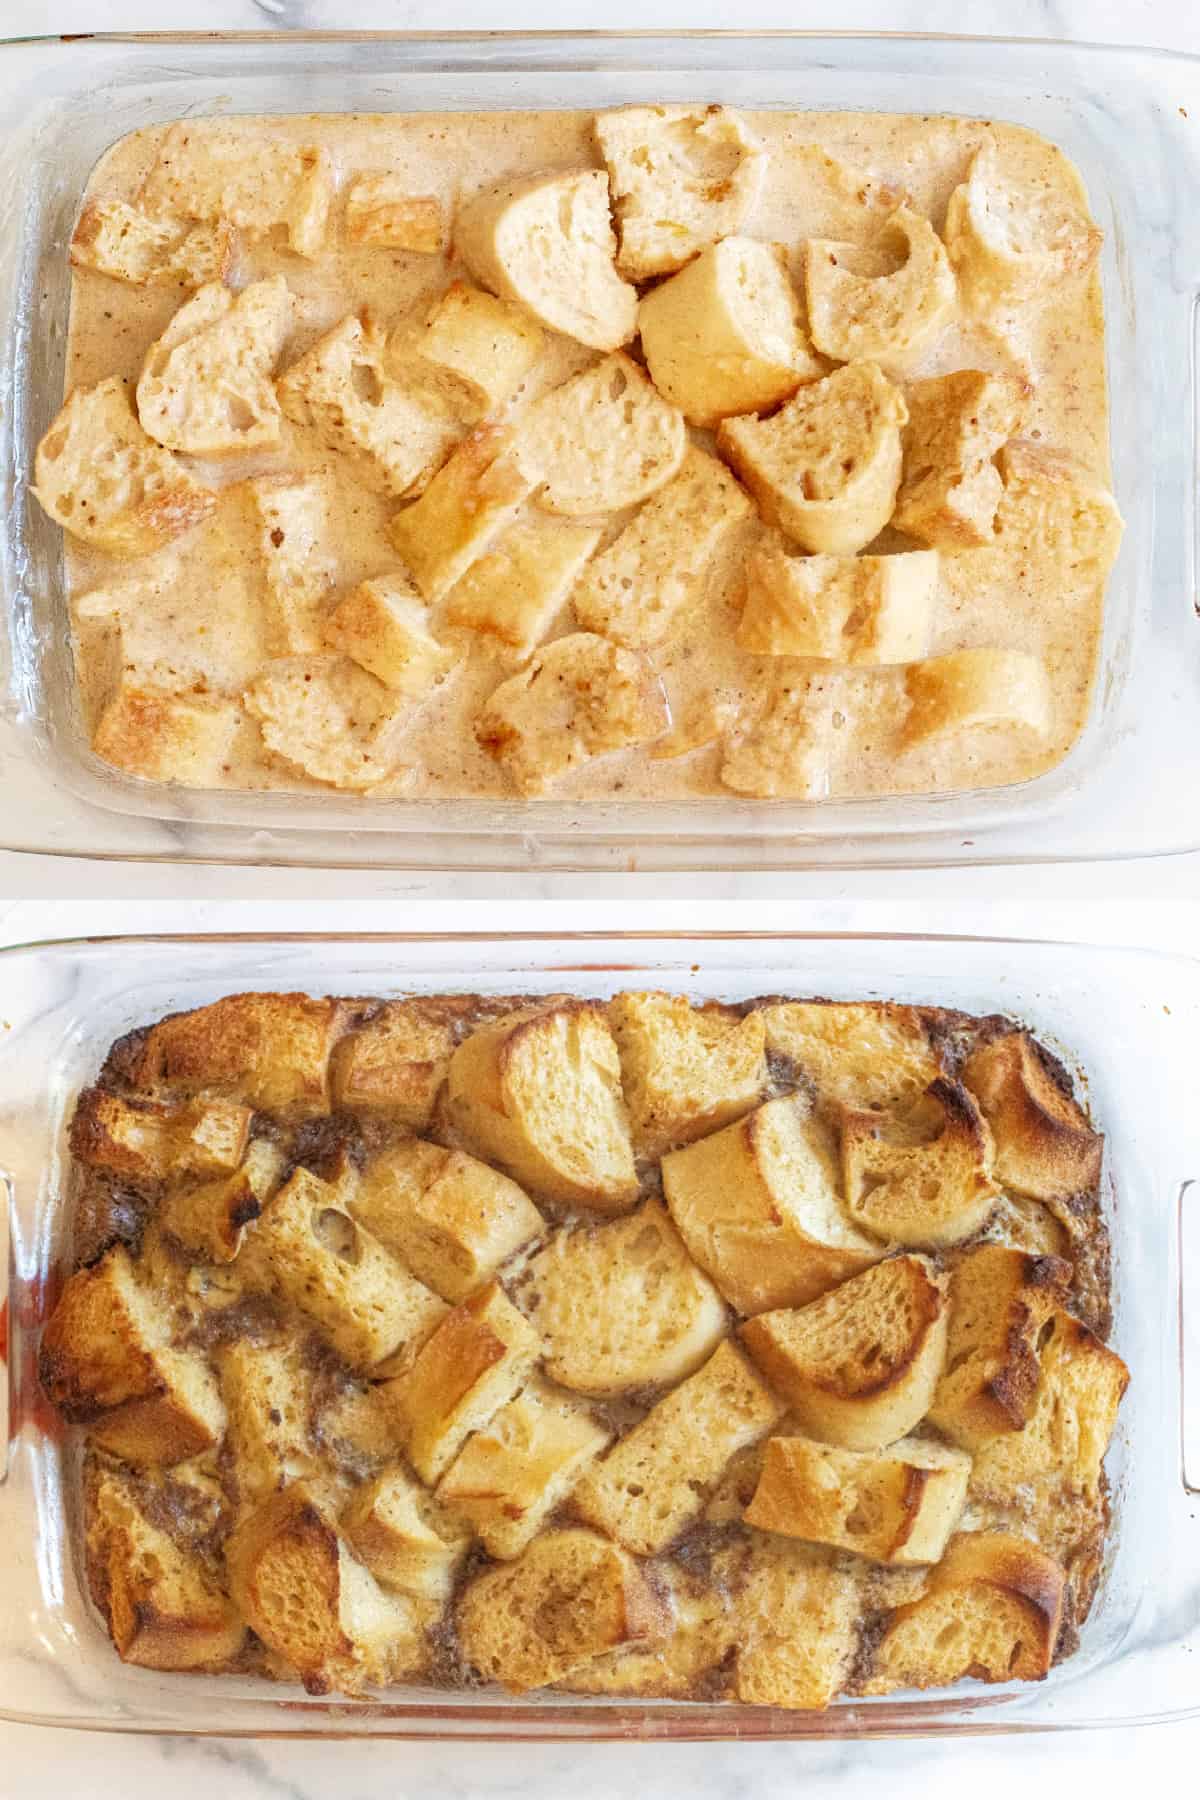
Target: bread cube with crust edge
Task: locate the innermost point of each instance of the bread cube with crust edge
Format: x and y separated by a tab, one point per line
853	313
382	213
119	241
467	504
894	1506
210	1218
166	736
205	386
951	486
146	1140
861	1053
393	1065
267	1050
923	1177
686	1070
1045	1146
406	1538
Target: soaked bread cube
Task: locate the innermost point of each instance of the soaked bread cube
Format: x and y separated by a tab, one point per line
603	440
862	1053
845	609
893	1506
466	505
267	1388
167	736
956	425
1054	510
267	1050
479	347
1012	243
383	625
405	1537
856	310
119	241
296	520
1045	1146
797	1617
923	1177
781	745
383	214
210	1219
687	1070
394	1064
205	386
329	718
969	689
145	1141
227	170
511	597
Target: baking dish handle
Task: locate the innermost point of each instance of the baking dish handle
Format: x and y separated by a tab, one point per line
9	1337
1189	1335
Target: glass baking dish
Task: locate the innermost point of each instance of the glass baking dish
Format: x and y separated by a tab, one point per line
1130	1019
1128	787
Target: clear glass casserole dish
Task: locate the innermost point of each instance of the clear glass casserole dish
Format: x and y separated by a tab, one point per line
1130	1019
1127	787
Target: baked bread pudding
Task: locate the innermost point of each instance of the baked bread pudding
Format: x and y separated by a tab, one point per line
745	1352
649	454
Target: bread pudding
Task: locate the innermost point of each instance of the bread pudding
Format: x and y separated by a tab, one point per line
662	452
649	1347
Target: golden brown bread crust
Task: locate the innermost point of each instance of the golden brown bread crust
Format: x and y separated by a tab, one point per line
1044	1144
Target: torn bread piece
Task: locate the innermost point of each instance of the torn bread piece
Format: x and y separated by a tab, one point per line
580	697
781	745
295	519
147	1140
687	1070
384	626
899	1505
639	589
205	386
511	597
965	690
210	1218
923	1177
796	1612
1045	1146
394	1063
329	718
603	440
382	213
404	1536
270	1051
860	1053
119	241
546	243
106	481
681	177
466	506
856	311
166	736
825	468
845	609
725	335
951	485
479	348
1057	512
1010	242
229	170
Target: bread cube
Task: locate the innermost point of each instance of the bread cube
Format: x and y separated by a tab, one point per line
844	609
859	1367
580	697
797	1615
394	1064
856	310
1056	511
512	596
406	1538
295	518
603	440
893	1506
545	242
1011	243
106	1363
967	690
103	479
922	1178
397	432
725	335
567	1598
471	1366
466	505
269	1400
873	1053
759	1207
165	736
482	348
450	1219
218	169
509	1477
313	1604
681	177
639	589
693	1658
117	240
383	625
697	720
205	386
622	1306
328	718
1000	1301
991	1610
539	1092
269	1051
330	1267
656	1478
781	745
382	214
951	486
145	1141
686	1070
210	1220
825	468
1045	1146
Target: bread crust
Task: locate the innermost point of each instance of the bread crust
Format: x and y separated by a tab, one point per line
1045	1146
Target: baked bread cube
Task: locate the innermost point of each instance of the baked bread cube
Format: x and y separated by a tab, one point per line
312	1603
1055	510
481	348
331	1267
539	1091
951	486
107	1363
874	1053
825	468
229	170
1045	1146
329	718
269	1400
210	1219
859	1367
580	697
397	432
466	505
383	214
781	744
1001	1299
205	386
295	516
681	177
603	440
569	1597
117	240
922	1178
161	1604
655	1479
145	1141
991	1609
693	1658
450	1219
405	1537
103	479
639	589
759	1207
725	335
383	625
471	1366
686	1070
1012	243
893	1506
857	310
968	690
511	597
797	1615
844	609
509	1477
164	736
393	1065
268	1051
545	242
622	1307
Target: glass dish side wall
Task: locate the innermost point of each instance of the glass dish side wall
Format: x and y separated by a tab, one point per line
1130	1019
1110	797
